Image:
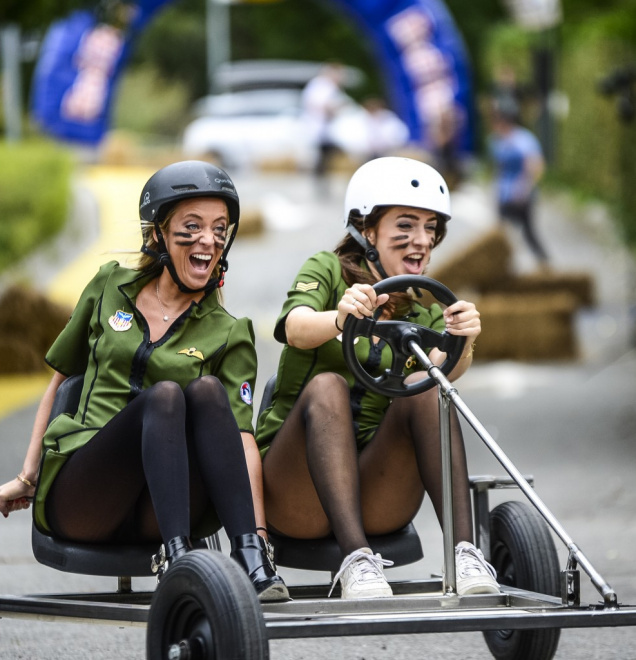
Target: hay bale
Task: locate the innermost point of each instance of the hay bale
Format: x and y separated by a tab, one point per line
252	223
119	149
527	327
283	164
19	356
579	285
29	324
483	265
414	152
342	163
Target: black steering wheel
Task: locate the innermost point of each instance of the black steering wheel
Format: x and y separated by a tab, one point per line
399	335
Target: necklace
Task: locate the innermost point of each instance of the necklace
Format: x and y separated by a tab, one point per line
166	318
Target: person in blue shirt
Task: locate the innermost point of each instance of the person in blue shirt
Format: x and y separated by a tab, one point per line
518	159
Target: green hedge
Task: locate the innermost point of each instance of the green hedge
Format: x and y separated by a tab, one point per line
596	150
35	184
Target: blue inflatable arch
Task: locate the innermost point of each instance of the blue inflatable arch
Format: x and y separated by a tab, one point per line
424	63
416	43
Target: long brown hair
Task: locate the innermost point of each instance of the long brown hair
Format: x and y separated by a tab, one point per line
353	263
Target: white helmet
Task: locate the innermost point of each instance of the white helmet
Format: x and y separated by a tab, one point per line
396	181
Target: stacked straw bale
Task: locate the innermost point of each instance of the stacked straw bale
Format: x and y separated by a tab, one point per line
29	324
529	317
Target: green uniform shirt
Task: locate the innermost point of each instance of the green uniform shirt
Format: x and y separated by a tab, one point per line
108	340
319	285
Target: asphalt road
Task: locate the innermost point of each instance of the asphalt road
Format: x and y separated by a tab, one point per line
570	424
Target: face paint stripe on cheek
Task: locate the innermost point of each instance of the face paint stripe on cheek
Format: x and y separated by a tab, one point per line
185	243
183	234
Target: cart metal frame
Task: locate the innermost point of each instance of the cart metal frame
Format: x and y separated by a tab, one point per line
418	606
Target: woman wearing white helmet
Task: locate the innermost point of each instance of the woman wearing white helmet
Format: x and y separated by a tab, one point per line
337	458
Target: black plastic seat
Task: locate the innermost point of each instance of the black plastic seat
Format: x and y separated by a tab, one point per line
87	558
402	547
92	559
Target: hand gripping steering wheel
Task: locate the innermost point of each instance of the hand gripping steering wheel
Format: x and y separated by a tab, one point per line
399	335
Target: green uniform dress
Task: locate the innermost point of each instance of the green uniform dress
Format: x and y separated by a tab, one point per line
108	341
319	285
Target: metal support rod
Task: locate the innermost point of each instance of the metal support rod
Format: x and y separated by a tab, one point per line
218	44
11	81
609	595
448	515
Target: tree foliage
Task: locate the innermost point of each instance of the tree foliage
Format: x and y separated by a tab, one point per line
290	29
37	14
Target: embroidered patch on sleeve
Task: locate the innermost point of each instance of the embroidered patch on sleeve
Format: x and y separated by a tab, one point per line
307	286
246	393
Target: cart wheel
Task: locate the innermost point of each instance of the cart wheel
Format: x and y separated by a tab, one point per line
523	554
205	608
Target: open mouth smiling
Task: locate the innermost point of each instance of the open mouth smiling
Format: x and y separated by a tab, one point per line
200	261
414	262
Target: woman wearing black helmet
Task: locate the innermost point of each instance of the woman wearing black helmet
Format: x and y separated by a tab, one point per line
155	451
356	462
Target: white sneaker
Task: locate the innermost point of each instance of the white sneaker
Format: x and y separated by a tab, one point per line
474	574
361	576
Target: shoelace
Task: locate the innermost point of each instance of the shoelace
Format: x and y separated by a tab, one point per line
373	564
472	562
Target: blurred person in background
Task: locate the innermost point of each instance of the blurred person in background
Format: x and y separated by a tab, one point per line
385	131
444	130
322	99
519	166
505	86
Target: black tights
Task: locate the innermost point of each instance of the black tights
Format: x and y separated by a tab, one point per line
521	214
151	472
385	483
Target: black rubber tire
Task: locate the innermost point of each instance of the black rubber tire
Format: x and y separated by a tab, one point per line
524	555
206	599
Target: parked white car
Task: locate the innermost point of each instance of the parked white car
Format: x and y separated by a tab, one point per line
253	127
261	119
248	128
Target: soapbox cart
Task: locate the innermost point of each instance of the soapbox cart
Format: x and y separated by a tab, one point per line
205	607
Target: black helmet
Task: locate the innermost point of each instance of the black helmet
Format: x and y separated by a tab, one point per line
189	178
178	181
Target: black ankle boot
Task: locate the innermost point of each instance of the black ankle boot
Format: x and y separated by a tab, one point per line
177	547
168	554
248	551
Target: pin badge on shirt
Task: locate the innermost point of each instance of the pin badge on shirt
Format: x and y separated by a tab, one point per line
191	352
120	321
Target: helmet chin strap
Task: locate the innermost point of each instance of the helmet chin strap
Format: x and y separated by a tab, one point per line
370	252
